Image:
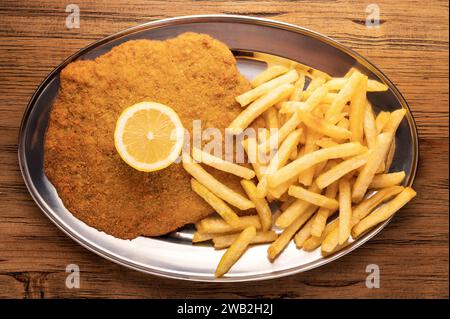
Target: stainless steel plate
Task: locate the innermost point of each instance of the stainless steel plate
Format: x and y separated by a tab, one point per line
174	256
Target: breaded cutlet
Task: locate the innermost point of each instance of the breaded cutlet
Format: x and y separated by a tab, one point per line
194	74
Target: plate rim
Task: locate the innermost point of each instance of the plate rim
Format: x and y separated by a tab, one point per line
105	253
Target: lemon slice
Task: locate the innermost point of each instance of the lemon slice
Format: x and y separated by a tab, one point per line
149	136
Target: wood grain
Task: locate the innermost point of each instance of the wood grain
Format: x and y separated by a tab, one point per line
410	46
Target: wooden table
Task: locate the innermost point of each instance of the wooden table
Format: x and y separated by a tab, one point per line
410	46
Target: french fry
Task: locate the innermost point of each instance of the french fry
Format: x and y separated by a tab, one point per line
279	159
382	120
222	165
350	72
263	134
235	251
343	121
376	86
301	68
341	170
394	121
328	98
319	168
278	137
225	241
370	130
312	243
325	142
320	219
319	74
201	237
315	84
309	100
314	98
262	208
313	198
303	137
345	113
250	146
267	87
322	126
390	156
297	208
336	84
382	167
345	210
299	86
215	202
369	204
306	176
287	216
294	120
384	212
321	109
291	106
284	238
280	190
376	157
299	165
294	153
282	117
357	111
220	190
315	241
271	118
344	96
386	180
268	74
214	225
284	197
327	139
247	116
287	203
331	240
304	233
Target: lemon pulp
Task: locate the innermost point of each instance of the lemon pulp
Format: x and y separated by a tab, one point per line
149	136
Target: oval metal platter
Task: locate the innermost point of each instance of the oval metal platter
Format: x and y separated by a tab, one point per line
173	255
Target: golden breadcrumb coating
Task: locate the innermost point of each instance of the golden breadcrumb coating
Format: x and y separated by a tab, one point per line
194	74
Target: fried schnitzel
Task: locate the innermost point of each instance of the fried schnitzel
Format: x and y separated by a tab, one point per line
194	74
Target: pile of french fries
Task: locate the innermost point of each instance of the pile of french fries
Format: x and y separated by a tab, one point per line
331	156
